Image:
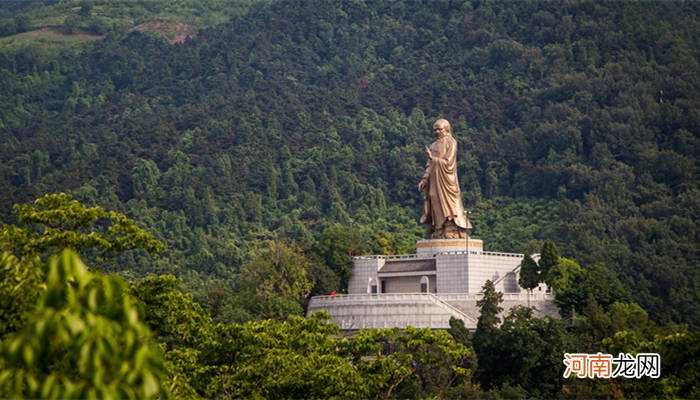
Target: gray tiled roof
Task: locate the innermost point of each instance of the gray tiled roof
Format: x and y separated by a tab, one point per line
408	266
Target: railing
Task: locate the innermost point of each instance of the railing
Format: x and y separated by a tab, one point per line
501	279
485	253
450	308
386	257
378	296
524	295
409	256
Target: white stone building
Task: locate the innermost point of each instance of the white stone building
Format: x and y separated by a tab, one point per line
443	279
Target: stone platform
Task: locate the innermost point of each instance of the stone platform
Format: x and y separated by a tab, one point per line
443	279
419	310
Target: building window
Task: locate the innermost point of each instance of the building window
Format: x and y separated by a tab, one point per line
424	284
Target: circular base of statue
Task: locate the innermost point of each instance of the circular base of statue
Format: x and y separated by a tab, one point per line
427	248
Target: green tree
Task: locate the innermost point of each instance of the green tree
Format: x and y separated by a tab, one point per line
56	221
530	352
679	363
325	280
52	223
297	358
182	326
459	332
489	307
487	335
71	24
144	177
85	9
411	363
275	282
576	287
628	316
565	279
84	340
549	257
597	323
596	320
602	283
173	317
20	287
21	23
529	273
337	245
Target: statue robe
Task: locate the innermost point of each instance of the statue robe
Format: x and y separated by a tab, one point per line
442	199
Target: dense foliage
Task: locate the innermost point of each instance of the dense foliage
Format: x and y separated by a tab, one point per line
56	221
69	332
84	339
577	122
89	335
266	151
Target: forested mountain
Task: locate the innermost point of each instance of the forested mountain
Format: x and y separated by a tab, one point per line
577	122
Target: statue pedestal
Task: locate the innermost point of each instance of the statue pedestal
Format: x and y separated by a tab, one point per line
427	248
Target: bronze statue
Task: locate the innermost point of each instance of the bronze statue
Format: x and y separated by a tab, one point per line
443	212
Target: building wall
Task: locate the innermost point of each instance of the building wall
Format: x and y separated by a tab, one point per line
364	269
407	284
491	266
457	281
452	274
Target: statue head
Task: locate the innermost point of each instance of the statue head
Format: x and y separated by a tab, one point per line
442	128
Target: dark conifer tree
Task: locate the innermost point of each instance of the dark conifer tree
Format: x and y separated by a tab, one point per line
529	273
548	258
487	335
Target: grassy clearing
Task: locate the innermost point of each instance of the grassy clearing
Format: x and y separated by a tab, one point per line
174	31
175	20
46	35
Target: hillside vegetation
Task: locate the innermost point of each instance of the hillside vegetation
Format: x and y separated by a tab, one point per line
577	122
215	164
64	22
